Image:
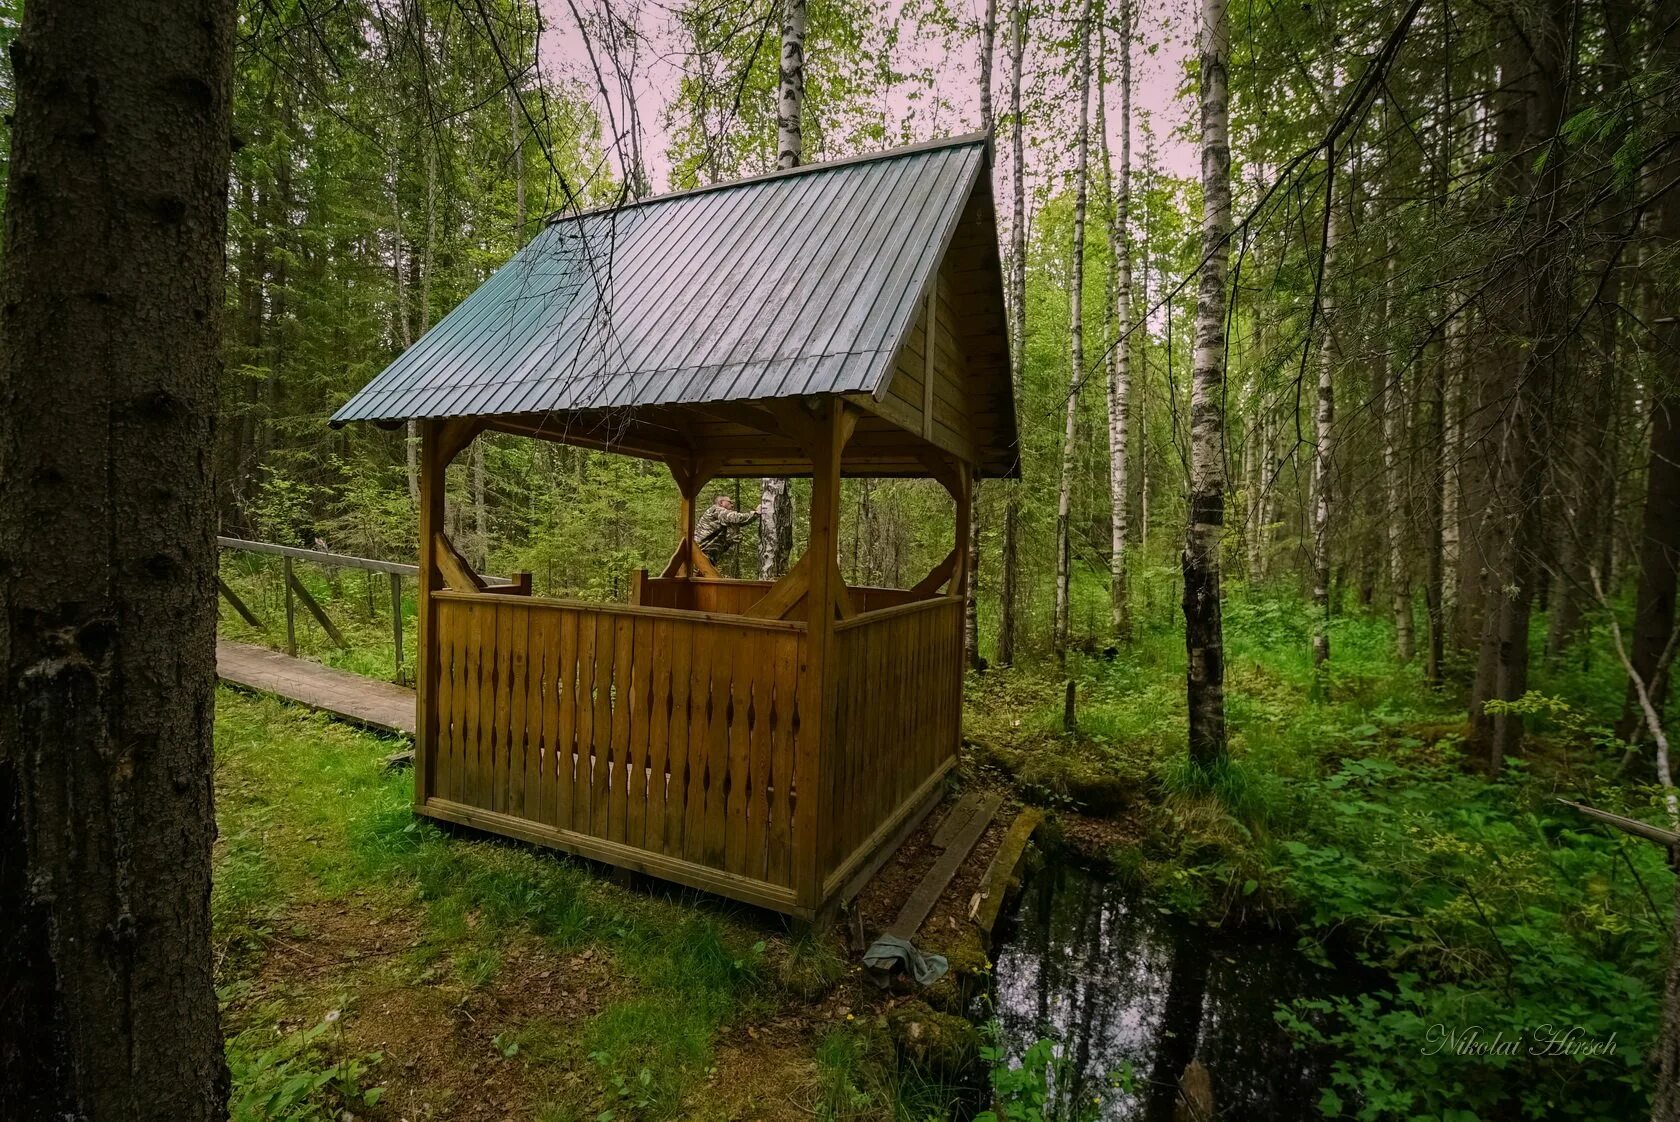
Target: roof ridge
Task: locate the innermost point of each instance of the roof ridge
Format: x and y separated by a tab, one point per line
781	173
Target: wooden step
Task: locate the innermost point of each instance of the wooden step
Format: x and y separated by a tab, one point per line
1005	869
960	843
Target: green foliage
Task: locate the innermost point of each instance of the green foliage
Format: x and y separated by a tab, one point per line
292	1077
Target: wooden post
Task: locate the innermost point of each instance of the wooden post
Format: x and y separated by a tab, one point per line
432	465
396	624
439	443
829	431
288	580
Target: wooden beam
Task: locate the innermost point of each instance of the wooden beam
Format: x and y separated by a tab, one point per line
702	564
245	613
929	321
520	585
814	765
457	574
941	573
314	608
432	467
785	593
677	566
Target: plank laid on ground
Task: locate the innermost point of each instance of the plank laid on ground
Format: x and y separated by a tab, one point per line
1005	867
364	701
956	820
938	878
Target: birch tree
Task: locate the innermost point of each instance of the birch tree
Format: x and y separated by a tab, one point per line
775	503
1017	281
1203	629
1119	357
971	605
1076	333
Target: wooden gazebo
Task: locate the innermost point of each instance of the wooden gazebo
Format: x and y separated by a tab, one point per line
762	741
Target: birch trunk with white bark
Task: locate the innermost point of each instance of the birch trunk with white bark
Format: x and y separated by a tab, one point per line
1076	338
1203	626
775	503
1120	360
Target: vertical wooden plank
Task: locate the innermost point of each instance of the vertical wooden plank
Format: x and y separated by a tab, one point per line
682	704
724	646
623	711
701	713
538	656
582	780
565	719
600	766
502	637
442	775
659	736
780	844
748	656
518	616
757	826
641	713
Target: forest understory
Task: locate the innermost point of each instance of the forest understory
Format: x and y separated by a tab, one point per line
365	952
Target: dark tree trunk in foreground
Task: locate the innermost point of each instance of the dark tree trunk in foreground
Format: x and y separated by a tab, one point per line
1526	322
113	290
1203	627
1653	618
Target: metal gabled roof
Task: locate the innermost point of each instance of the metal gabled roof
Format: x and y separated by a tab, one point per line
798	282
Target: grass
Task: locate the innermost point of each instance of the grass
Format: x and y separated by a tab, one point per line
331	897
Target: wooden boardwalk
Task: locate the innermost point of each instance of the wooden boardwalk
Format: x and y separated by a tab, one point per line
363	701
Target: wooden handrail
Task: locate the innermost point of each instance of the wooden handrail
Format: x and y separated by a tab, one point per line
879	614
341	560
642	610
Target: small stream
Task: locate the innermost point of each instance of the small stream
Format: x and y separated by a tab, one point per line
1098	969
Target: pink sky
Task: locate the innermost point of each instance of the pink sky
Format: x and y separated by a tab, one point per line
953	109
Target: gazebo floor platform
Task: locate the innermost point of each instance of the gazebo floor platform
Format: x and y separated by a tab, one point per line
373	704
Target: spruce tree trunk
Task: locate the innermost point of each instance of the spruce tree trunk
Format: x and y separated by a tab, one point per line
1324	417
1076	338
1525	345
1017	330
775	501
1395	408
1203	631
1120	356
1659	543
113	280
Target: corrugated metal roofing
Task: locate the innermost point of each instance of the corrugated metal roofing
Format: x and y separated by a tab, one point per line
793	283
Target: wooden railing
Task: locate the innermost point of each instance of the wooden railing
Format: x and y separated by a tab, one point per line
294	587
896	719
652	738
735	597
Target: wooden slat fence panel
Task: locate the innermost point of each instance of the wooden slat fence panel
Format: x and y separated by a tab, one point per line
608	729
897	717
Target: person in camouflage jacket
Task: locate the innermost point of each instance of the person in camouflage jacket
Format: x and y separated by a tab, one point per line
720	527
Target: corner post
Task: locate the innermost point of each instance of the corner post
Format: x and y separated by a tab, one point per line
440	441
432	466
828	433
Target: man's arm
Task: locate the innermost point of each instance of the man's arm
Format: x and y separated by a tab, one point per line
738	517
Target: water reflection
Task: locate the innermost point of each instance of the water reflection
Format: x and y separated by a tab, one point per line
1122	988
